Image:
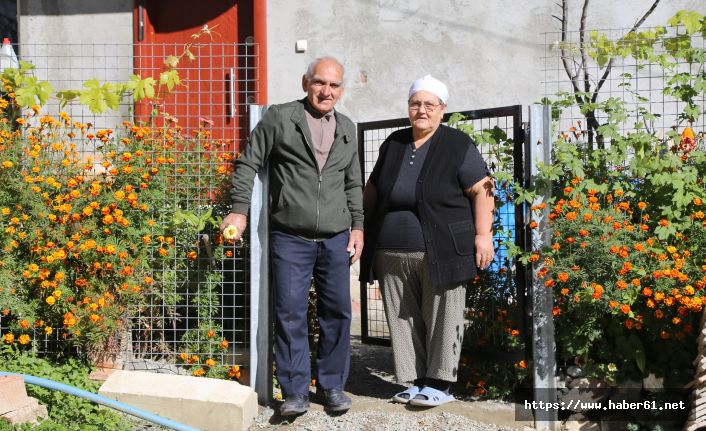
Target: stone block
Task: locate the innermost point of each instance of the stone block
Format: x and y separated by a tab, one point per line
15	406
207	404
31	412
13	395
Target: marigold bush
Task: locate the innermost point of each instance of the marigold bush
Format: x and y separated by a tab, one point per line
625	261
93	225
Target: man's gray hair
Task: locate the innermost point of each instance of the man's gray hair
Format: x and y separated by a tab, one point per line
312	66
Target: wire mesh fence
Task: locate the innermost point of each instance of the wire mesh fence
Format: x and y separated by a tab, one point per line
203	299
640	83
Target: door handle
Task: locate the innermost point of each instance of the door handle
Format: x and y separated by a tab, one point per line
232	92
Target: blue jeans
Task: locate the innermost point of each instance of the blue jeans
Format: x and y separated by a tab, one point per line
294	260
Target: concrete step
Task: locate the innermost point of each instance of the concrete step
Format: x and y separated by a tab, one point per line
207	404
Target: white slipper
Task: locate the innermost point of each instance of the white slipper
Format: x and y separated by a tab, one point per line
430	397
409	393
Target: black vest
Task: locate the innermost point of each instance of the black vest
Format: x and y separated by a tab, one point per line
445	213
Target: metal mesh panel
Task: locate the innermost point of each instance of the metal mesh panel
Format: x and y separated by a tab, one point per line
216	89
503	292
627	79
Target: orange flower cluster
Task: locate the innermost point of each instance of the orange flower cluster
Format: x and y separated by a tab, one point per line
89	220
609	258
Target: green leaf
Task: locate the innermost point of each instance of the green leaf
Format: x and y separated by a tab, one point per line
32	91
67	96
142	88
689	19
170	78
100	98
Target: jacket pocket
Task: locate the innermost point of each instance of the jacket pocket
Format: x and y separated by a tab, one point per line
278	200
463	234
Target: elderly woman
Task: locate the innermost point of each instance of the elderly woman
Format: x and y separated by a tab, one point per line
429	224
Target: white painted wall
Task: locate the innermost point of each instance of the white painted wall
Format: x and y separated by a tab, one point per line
488	52
72	41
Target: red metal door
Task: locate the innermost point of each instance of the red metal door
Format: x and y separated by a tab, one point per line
218	83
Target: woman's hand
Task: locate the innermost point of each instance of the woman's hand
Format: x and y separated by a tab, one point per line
484	250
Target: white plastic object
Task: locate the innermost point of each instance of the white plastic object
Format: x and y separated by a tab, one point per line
300	45
8	58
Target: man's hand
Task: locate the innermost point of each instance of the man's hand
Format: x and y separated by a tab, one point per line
484	250
355	245
240	221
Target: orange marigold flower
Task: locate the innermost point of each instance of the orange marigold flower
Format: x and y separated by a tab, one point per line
224	344
556	311
24	324
625	308
563	277
697	201
210	363
621	284
549	283
597	291
210	333
24	339
663	222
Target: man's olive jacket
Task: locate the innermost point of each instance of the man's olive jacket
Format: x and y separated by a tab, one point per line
304	200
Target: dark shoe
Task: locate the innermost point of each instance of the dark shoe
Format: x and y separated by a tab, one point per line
294	405
337	401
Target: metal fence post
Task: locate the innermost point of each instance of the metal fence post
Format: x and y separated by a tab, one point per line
543	345
260	304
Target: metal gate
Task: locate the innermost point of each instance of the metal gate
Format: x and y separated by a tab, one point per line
507	277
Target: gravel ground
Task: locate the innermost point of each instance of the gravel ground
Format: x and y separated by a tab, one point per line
371	385
372	420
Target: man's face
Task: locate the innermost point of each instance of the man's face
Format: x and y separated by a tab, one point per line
325	87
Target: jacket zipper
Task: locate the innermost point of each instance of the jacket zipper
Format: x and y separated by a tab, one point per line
321	175
318	196
318	186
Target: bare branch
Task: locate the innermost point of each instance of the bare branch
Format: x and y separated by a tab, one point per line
634	28
582	44
557	18
562	46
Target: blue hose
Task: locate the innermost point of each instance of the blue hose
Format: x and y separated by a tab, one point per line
100	399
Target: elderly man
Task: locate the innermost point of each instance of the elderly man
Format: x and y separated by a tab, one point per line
316	214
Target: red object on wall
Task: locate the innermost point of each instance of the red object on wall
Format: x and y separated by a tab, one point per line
222	78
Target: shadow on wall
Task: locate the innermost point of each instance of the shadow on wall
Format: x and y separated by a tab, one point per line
74	7
8	20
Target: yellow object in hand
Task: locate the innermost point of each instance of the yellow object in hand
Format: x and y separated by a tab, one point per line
231	232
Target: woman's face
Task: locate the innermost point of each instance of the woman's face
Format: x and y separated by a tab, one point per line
425	111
